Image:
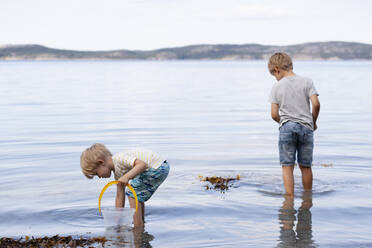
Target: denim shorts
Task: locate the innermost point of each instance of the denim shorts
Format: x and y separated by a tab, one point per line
147	182
295	138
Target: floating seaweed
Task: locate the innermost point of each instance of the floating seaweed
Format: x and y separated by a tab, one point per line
221	184
327	165
49	242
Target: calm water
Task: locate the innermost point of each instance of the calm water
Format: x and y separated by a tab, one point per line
205	118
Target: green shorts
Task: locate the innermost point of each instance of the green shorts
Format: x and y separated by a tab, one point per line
146	183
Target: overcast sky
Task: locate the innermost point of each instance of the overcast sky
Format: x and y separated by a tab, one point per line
150	24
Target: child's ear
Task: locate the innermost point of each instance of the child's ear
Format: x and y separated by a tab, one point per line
100	161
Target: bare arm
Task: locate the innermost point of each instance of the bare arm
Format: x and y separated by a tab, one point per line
120	197
138	167
315	109
275	112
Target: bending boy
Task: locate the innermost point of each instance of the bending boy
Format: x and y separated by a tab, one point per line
146	170
290	106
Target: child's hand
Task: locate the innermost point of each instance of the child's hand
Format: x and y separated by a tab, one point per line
123	180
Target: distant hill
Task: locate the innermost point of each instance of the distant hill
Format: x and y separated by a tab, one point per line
333	50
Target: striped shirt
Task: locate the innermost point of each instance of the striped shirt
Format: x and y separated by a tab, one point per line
124	161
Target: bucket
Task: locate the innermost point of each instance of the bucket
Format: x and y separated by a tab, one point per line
117	216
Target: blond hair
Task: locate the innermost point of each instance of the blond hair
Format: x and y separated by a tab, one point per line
281	60
89	159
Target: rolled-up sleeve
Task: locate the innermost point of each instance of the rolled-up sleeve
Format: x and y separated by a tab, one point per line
312	90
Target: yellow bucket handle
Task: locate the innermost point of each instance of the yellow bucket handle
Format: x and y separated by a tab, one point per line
116	182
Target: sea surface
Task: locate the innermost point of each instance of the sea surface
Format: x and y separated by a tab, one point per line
207	118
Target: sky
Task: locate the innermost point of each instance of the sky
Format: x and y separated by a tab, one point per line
152	24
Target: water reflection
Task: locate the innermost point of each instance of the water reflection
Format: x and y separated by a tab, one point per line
128	237
302	236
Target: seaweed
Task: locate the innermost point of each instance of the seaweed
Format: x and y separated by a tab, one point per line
327	165
49	242
221	184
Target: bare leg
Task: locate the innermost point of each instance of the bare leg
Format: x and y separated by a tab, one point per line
288	179
307	200
137	217
307	178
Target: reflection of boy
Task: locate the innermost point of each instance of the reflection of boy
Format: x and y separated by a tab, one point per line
303	236
290	106
145	169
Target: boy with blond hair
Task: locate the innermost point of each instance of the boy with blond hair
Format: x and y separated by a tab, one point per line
143	169
290	106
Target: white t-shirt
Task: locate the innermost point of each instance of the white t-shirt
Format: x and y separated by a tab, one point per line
292	94
124	161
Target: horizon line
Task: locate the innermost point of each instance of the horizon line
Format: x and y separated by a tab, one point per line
182	46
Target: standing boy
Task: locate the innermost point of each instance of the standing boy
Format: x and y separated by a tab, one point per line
290	106
143	169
